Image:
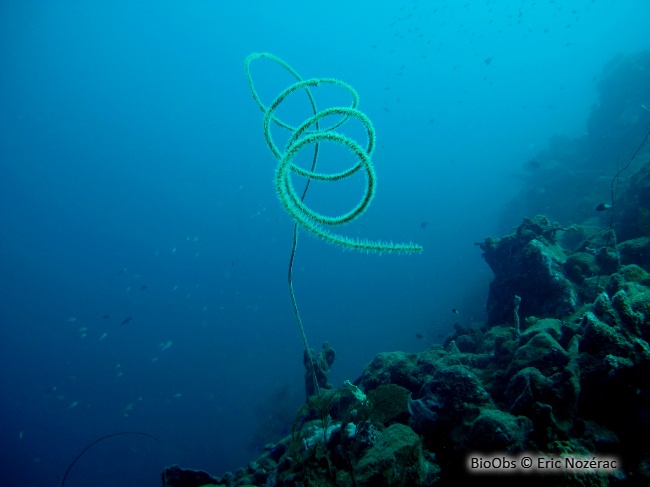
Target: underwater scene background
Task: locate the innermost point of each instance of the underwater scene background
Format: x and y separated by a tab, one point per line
144	253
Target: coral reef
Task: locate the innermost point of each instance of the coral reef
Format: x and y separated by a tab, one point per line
569	378
527	264
572	176
560	367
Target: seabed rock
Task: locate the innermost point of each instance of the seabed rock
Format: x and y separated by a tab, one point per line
528	263
566	377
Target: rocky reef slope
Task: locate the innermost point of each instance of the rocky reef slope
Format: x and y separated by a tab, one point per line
559	370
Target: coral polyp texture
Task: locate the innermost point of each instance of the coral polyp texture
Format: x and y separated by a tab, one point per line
308	133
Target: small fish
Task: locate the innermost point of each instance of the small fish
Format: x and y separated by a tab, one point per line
129	407
419	336
103	336
20	435
488	60
73	404
454	310
603	207
164	346
126	320
105	317
143	287
533	164
72	319
424	224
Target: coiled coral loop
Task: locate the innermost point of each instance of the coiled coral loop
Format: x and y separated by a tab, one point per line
310	132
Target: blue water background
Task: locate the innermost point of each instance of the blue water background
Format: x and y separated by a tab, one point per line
136	183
